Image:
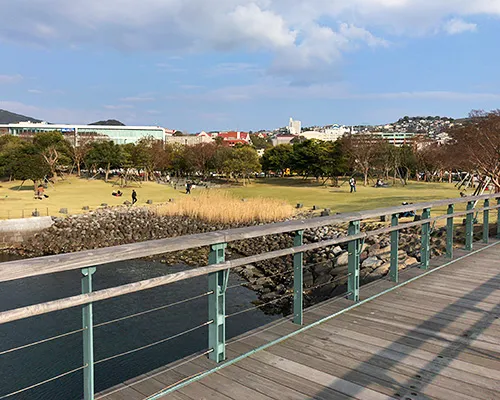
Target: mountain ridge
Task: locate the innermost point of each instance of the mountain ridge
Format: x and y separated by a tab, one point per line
7	117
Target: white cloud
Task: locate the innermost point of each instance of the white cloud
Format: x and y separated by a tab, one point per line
138	99
118	106
456	25
34	91
300	35
4	79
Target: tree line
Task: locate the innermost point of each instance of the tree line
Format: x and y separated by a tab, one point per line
473	147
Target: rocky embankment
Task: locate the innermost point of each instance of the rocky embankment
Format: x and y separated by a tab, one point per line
325	269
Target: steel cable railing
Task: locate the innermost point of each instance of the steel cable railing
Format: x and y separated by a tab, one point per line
43	382
112	321
103	324
154	343
25	346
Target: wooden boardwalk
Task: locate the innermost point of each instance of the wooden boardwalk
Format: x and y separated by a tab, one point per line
437	337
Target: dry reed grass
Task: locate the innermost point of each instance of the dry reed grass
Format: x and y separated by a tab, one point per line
220	207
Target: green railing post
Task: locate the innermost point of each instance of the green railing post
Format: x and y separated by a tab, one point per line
469	226
498	219
449	232
353	262
426	240
298	280
217	283
88	337
394	269
486	222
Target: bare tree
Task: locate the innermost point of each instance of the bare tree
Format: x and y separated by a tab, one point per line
478	143
363	150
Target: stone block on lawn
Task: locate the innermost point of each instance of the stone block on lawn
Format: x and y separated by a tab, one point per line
85	208
299	205
149	201
63	211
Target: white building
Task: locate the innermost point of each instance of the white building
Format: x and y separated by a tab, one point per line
76	133
294	127
283	139
190	140
329	134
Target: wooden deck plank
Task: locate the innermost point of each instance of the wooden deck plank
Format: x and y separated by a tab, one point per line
435	319
325	378
430	308
425	340
305	386
224	385
419	359
375	364
260	384
394	374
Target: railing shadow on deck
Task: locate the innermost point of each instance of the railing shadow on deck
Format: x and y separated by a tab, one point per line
425	375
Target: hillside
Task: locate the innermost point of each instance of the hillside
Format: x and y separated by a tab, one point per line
7	117
113	122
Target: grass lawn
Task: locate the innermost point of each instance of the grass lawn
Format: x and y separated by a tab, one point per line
74	193
340	200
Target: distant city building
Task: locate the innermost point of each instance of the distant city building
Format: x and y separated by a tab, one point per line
331	133
75	134
189	140
283	139
398	139
233	138
294	127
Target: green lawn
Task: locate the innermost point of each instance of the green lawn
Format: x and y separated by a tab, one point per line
296	191
74	193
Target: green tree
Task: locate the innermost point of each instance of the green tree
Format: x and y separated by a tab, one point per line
105	155
244	161
29	164
333	160
306	158
278	159
9	147
260	142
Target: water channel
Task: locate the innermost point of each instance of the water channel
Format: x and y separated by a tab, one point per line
31	365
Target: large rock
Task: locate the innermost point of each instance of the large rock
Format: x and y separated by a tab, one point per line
371	262
343	259
410	261
337	250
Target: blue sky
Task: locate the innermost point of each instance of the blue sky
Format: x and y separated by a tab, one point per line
248	64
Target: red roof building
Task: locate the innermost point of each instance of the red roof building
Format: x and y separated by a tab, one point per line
236	137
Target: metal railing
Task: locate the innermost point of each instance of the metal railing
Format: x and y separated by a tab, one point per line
218	272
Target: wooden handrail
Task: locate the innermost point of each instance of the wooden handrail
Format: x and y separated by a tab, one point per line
73	301
19	269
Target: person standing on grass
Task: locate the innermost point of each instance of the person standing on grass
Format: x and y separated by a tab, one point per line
134	197
189	185
352	184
